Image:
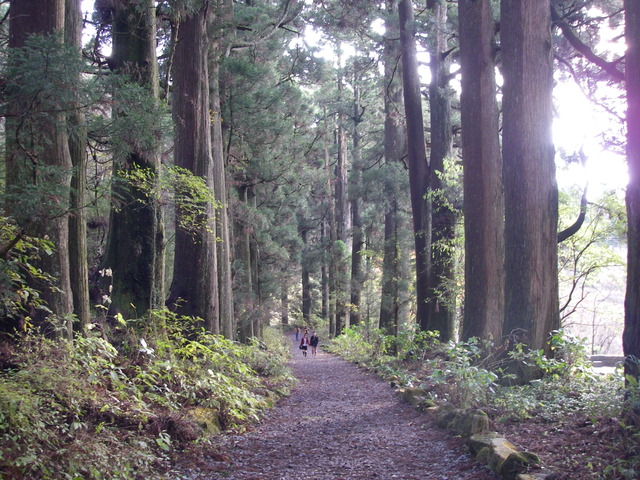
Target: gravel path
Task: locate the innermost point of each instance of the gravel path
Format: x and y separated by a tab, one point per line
342	423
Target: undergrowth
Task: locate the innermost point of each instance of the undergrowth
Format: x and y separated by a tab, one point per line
119	405
512	386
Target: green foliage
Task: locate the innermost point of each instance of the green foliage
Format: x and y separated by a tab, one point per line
468	383
357	344
471	374
568	356
194	200
19	252
118	408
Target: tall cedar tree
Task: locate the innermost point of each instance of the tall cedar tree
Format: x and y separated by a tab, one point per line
443	213
631	335
482	175
394	151
36	141
136	230
78	257
417	156
218	50
194	288
531	194
357	273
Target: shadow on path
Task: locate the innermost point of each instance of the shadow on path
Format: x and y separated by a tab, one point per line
342	423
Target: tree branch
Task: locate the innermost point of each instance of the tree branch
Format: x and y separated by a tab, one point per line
583	48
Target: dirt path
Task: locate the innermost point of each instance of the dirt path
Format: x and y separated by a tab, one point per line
341	423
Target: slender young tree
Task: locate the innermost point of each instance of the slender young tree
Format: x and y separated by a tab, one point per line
482	175
531	193
417	159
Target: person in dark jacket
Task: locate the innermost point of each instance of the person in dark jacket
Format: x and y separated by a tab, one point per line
313	341
304	344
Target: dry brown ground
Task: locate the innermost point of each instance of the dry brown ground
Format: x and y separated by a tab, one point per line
340	423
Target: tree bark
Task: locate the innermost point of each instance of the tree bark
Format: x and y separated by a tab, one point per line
394	149
482	175
78	257
531	194
306	274
442	296
244	295
342	211
35	140
135	245
417	157
357	273
631	335
227	318
194	287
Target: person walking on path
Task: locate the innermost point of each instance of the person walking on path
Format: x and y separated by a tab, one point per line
297	333
313	341
304	344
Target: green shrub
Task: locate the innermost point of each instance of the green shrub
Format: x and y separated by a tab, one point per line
95	409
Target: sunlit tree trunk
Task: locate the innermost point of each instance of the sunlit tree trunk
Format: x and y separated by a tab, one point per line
37	143
631	335
194	288
442	301
531	193
482	162
417	158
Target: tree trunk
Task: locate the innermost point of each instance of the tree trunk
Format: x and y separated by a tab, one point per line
482	163
34	141
531	194
244	295
324	272
306	274
442	295
134	250
394	148
227	320
340	247
284	300
194	288
417	156
631	335
357	274
78	257
330	236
